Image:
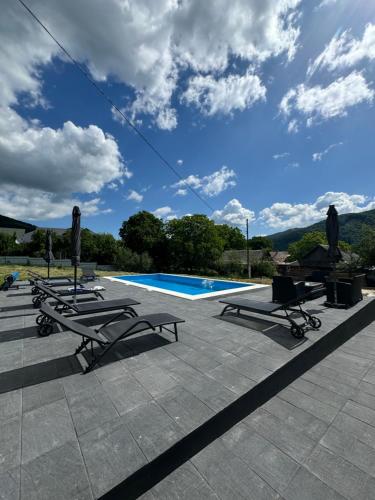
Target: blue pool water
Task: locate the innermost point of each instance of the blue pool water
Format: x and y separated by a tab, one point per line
183	284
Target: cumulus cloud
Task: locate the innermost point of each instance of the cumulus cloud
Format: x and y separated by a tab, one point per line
180	162
323	103
210	185
150	43
68	159
224	95
287	215
181	192
344	51
165	213
293	127
34	204
134	196
319	155
233	214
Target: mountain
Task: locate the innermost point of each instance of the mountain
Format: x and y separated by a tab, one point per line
16	224
351	226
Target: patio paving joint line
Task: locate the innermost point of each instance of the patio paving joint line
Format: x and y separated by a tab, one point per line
157	469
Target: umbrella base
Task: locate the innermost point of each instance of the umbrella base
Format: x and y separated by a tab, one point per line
336	305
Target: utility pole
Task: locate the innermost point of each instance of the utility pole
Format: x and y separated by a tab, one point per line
247	249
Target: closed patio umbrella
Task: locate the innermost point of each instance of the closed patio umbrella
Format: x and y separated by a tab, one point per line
332	232
48	256
76	244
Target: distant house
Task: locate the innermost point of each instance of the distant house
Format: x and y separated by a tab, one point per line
241	256
318	258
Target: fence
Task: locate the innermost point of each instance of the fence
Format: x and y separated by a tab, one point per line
38	261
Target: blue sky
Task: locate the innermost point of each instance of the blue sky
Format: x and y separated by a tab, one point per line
265	109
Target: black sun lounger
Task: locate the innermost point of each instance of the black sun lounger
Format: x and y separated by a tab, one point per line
69	309
108	336
272	309
44	292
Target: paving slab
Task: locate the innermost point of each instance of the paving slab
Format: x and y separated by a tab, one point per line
101	427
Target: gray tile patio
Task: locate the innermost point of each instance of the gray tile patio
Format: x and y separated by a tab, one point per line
67	435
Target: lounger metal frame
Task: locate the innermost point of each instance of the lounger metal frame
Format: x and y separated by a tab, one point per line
45	292
89	336
296	329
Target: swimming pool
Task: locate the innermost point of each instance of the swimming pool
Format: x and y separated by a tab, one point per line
187	287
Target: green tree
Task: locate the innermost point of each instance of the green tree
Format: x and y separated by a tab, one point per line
260	243
233	238
194	242
7	244
300	248
143	232
366	246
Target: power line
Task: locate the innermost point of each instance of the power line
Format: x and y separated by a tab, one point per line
114	106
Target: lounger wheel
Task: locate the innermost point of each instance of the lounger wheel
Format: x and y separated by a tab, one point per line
315	322
297	331
34	290
41	319
45	329
37	302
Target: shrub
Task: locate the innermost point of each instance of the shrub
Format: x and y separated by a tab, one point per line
263	268
232	267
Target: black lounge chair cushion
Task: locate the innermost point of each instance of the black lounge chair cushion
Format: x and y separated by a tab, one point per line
115	331
102	306
252	305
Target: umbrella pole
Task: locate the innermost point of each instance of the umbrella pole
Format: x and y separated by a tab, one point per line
334	284
75	283
48	270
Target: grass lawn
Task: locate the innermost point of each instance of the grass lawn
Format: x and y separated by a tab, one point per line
7	269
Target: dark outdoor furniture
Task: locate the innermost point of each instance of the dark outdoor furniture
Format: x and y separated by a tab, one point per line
285	289
272	309
88	275
349	291
9	281
108	335
318	276
69	309
44	292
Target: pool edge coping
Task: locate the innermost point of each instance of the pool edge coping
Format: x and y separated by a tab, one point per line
220	293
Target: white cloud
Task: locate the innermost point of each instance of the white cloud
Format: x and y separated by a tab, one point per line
34	204
293	127
224	95
293	164
70	159
287	215
327	102
344	51
277	156
165	213
150	43
319	155
134	196
181	192
233	214
180	162
210	185
325	3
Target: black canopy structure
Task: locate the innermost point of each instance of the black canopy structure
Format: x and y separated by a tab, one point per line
48	256
76	244
332	232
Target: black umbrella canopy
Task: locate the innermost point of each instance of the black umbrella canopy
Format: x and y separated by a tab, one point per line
332	232
76	236
76	244
48	256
